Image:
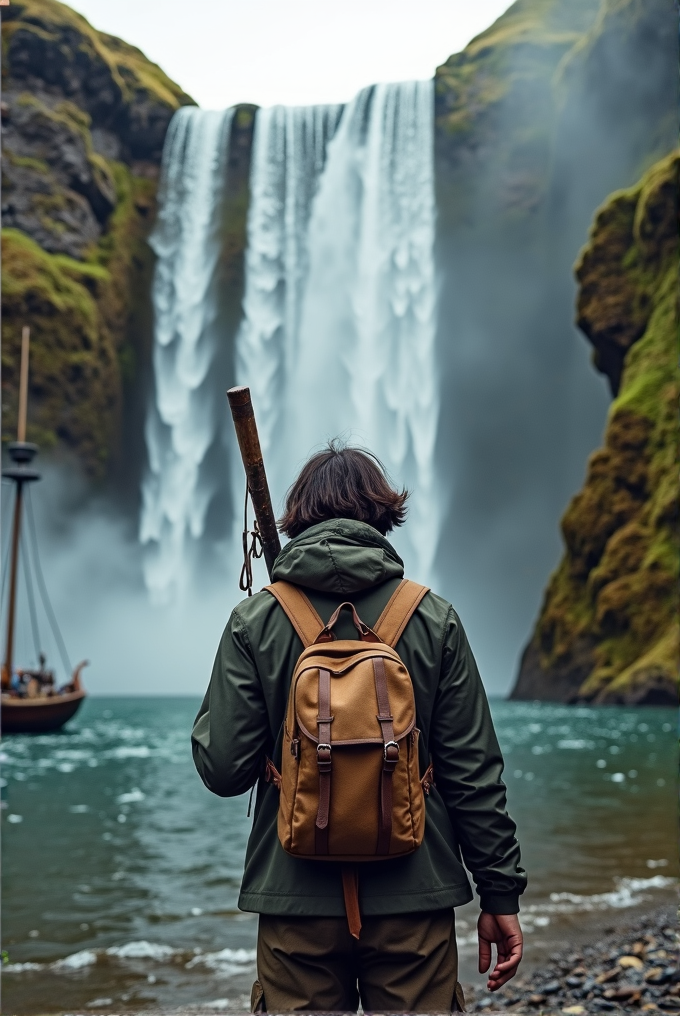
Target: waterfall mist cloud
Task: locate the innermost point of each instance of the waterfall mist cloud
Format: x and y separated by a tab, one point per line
524	406
93	569
296	53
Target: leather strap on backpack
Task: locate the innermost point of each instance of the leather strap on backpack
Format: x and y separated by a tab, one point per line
350	892
400	609
390	756
299	611
324	762
390	627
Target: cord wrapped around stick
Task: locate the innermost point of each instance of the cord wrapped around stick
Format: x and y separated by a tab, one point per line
256	479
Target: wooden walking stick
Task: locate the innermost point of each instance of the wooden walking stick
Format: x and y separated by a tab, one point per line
248	441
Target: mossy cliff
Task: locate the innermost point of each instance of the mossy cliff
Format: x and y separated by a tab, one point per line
608	630
550	83
542	116
84	119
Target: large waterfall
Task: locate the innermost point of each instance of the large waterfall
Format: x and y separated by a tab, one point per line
338	329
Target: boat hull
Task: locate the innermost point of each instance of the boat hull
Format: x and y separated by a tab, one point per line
38	715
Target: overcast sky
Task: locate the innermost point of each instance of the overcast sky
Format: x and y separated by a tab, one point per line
292	51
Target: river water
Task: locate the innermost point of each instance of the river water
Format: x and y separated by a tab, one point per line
121	872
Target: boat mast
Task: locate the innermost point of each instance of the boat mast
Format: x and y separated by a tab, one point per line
21	452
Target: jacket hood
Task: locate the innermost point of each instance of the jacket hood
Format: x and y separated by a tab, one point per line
341	556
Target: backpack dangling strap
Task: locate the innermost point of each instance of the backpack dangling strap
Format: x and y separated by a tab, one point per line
399	611
350	891
299	611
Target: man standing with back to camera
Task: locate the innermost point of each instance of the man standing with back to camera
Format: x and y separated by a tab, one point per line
333	934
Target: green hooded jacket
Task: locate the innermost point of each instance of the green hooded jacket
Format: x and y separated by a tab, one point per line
241	718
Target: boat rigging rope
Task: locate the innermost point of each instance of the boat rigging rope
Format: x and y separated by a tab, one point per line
5	564
42	588
28	579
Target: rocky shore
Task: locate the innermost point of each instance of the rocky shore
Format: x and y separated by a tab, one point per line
633	969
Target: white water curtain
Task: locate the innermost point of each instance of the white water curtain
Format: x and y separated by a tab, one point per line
289	148
359	352
183	419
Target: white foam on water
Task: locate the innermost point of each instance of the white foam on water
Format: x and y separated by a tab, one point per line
142	950
141	751
629	892
76	961
20	968
226	962
133	795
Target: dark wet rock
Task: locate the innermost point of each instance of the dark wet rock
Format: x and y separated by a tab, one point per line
551	988
56	189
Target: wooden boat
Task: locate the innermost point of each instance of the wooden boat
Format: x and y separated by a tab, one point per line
30	701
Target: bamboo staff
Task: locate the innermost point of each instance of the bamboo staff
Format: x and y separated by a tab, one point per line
249	442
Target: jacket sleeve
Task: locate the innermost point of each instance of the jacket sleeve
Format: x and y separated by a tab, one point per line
468	766
231	732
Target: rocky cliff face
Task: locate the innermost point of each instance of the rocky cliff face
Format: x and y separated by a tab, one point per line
555	106
608	630
84	118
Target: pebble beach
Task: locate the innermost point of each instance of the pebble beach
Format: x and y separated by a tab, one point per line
634	969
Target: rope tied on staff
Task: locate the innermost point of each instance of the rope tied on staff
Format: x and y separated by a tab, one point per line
263	539
254	551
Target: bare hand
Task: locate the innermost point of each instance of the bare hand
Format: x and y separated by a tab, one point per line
505	932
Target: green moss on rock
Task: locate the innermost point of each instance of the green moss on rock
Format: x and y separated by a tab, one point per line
84	121
48	41
608	629
73	385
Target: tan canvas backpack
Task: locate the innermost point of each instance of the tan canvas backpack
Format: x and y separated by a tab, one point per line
350	783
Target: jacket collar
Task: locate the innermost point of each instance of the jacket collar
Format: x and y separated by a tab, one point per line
341	556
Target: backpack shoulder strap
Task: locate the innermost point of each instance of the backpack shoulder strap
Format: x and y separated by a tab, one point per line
299	611
399	611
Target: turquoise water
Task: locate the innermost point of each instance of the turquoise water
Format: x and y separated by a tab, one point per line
121	872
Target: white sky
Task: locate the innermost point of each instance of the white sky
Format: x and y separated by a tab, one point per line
295	52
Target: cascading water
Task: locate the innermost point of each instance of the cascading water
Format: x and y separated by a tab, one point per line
185	417
360	349
338	328
289	151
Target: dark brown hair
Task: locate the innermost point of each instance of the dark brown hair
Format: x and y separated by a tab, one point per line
343	483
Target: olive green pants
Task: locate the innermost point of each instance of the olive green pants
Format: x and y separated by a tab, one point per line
401	963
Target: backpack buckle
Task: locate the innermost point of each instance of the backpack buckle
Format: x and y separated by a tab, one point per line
323	757
391	751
